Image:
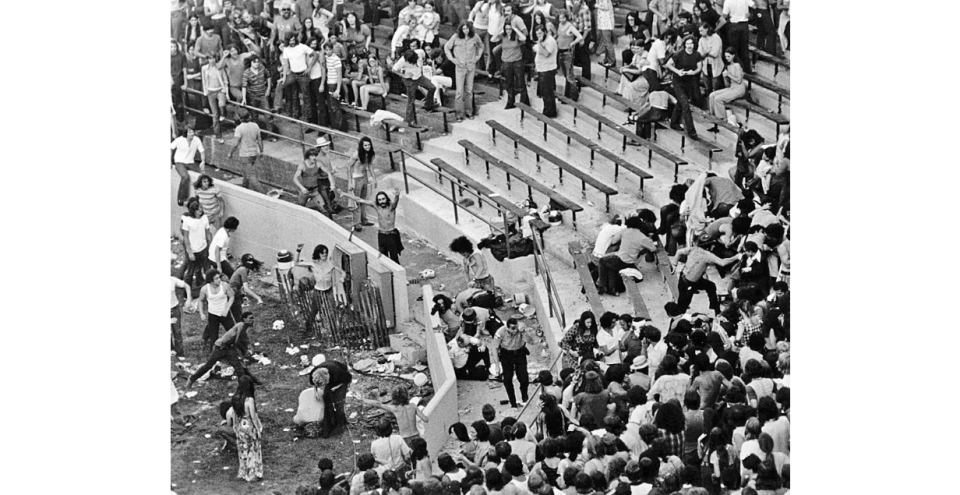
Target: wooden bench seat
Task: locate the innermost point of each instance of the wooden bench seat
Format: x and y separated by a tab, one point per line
766	57
580	262
765	83
626	134
584	177
633	292
709	117
444	111
594	148
531	182
663	264
776	118
702	145
482	192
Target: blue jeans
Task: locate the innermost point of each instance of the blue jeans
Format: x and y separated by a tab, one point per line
412	86
463	103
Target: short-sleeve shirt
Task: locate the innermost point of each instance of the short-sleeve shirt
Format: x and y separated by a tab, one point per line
686	61
390	451
222	240
208	46
593	404
249	133
186	151
239	277
356	36
334	66
296	56
196	231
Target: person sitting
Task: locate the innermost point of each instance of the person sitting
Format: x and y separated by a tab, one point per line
633	243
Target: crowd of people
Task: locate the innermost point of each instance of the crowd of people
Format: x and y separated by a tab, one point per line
697	405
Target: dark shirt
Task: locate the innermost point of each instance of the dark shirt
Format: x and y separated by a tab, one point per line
339	374
176	67
710	16
686	61
593	405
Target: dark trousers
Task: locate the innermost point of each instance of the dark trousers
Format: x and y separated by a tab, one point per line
316	103
176	337
212	332
236	311
196	268
687	289
609	280
513	76
412	85
226	268
766	32
515	362
470	371
582	56
685	91
177	93
229	354
646	120
183	191
547	89
739	39
334	114
295	86
389	244
570	87
712	82
264	120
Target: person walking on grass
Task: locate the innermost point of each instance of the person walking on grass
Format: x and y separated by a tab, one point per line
231	348
185	148
220	245
195	231
250	146
240	283
219	298
176	312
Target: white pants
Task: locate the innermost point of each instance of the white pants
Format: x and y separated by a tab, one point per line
442	83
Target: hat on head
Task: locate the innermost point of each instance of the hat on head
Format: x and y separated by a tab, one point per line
639	363
323	141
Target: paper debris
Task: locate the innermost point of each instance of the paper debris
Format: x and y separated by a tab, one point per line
293	351
226	468
206	436
191	394
305	346
288	410
286	429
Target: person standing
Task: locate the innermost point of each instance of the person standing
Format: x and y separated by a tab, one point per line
230	348
219	298
692	280
510	49
464	50
766	32
686	66
606	45
297	60
185	148
545	48
710	46
248	429
220	245
510	342
313	178
250	146
195	231
334	84
388	237
233	65
737	13
240	283
568	39
254	91
581	20
176	314
359	172
409	68
214	88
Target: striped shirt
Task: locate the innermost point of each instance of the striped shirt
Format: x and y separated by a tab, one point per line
333	68
255	81
209	200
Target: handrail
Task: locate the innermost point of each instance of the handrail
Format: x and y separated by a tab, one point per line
553	295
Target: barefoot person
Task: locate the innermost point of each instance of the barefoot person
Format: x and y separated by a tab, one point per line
388	239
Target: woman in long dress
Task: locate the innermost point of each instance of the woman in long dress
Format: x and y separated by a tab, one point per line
248	428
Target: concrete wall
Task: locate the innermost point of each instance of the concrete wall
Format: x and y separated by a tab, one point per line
289	225
552	330
443	409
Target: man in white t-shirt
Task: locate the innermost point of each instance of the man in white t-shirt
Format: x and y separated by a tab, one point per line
608	338
297	60
195	230
220	245
609	236
185	148
176	341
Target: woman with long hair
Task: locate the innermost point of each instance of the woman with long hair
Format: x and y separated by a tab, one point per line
361	177
510	50
552	420
195	231
194	31
354	73
734	88
633	85
371	82
548	467
428	26
717	458
770	457
545	61
329	277
321	18
580	340
310	30
671	422
211	201
633	29
356	34
248	429
463	50
592	401
568	39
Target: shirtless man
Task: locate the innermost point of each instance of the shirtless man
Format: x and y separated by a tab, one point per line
388	239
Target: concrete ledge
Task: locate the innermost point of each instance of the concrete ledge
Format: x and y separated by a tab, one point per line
289	225
442	410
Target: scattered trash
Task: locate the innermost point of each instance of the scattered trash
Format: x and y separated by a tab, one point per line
364	364
304	346
419	367
288	410
427	274
196	462
278	325
286	429
226	468
206	436
293	351
191	394
466	202
255	344
353	414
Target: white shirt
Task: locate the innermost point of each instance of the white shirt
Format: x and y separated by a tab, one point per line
222	240
737	10
186	151
606	340
196	231
174	283
609	234
658	50
296	56
655	354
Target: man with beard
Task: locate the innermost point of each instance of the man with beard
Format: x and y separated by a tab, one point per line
388	239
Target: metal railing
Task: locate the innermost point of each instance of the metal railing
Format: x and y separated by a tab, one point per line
540	265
